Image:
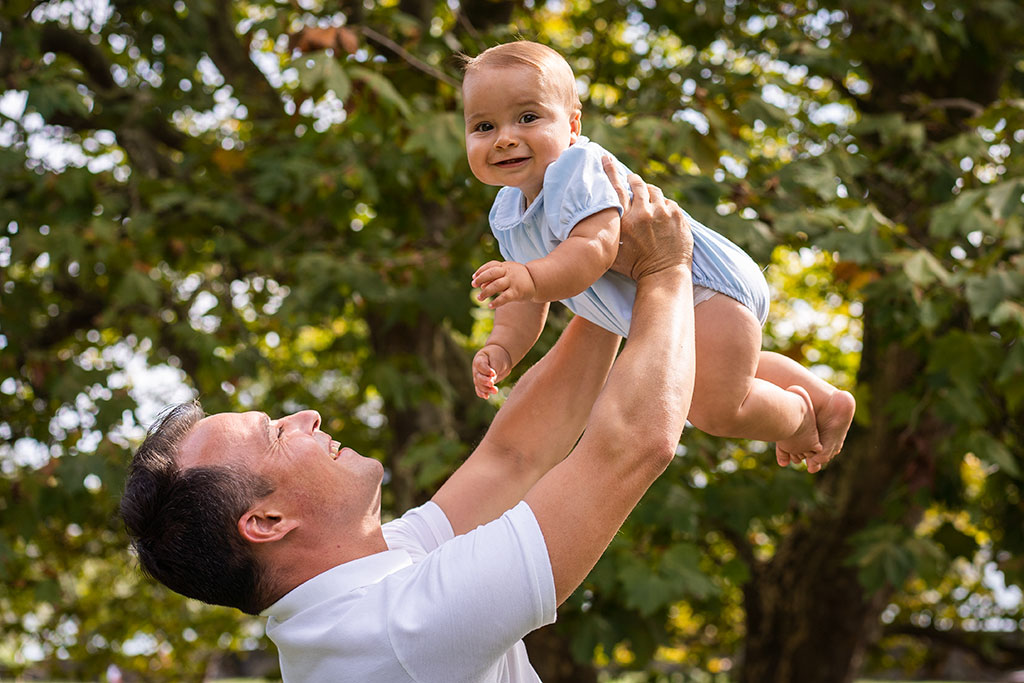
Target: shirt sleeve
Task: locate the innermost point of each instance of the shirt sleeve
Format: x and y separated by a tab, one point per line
575	187
418	531
472	599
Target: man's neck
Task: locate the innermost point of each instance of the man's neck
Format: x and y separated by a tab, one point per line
296	560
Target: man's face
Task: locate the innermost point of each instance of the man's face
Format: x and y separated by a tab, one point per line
517	123
329	489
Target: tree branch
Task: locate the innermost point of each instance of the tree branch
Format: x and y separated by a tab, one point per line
743	548
975	109
56	39
230	55
413	61
986	647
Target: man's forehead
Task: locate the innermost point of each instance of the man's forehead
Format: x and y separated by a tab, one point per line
220	437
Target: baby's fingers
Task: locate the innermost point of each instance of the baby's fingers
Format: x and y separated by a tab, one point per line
487	272
483	377
484	389
493	288
507	296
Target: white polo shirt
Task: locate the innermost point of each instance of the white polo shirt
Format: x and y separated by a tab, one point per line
433	608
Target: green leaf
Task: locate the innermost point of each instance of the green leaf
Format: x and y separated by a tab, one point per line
440	136
1004	199
320	70
682	561
992	450
1011	378
821	178
645	590
382	87
985	294
881	557
136	287
956	542
923	269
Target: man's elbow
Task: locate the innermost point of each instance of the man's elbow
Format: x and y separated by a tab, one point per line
647	445
658	453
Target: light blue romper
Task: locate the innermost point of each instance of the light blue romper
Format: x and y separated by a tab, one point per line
575	186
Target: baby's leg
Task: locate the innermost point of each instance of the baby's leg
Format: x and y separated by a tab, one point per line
834	408
729	399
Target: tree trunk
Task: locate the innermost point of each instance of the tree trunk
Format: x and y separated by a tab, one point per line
809	618
551	658
447	364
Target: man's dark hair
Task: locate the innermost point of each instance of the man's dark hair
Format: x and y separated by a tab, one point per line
183	522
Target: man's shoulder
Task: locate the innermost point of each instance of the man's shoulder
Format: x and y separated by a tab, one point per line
419	530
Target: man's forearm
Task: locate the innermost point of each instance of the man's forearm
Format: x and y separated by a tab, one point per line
632	434
649	391
548	407
539	423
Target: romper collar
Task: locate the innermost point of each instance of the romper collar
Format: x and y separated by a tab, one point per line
508	211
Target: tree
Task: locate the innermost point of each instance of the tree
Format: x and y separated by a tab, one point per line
271	199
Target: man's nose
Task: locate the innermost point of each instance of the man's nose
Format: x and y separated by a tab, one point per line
304	420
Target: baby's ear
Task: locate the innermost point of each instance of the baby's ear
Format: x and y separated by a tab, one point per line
574	126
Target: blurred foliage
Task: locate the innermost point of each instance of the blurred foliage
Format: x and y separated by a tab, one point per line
267	205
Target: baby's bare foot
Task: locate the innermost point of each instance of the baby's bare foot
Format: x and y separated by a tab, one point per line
804	443
834	420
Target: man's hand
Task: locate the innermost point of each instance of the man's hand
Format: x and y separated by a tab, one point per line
491	364
646	245
507	281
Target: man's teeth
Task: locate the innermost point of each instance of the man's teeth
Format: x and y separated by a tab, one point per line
335	449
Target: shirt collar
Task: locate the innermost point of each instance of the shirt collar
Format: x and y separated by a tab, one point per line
338	580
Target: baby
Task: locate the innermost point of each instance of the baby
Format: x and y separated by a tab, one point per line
556	220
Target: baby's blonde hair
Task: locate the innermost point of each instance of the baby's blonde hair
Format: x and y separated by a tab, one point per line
542	58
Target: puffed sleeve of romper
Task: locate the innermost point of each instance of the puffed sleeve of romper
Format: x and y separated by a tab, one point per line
575	187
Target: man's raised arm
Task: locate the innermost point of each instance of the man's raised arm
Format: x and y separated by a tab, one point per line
636	422
535	428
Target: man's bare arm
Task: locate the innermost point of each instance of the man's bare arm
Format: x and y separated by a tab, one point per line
637	420
538	424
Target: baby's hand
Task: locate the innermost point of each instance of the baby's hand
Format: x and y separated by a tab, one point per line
491	364
507	281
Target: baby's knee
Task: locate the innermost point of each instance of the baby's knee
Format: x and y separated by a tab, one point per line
715	414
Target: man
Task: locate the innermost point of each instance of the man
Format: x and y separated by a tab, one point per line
273	516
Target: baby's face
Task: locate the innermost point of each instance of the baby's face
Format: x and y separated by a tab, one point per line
516	124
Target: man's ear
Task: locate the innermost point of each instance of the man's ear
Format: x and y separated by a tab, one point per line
574	126
262	525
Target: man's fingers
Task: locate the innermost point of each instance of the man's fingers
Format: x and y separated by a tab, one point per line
609	170
639	187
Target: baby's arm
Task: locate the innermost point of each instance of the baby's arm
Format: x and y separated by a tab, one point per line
516	329
570	268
